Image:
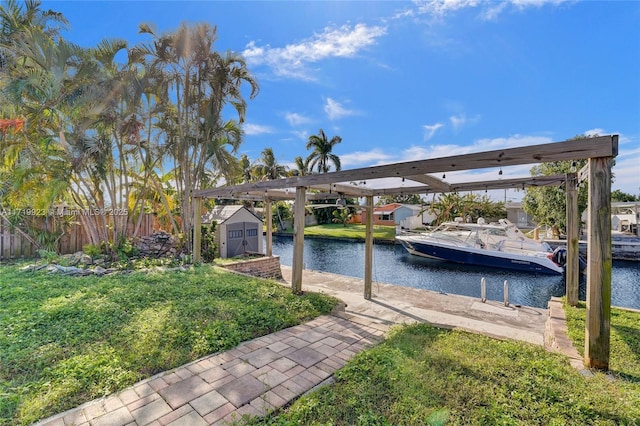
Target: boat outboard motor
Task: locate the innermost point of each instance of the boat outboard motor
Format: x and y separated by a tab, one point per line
559	257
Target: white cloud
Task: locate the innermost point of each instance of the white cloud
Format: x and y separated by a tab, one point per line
447	150
301	134
489	144
365	158
336	111
256	129
625	170
459	121
594	132
622	139
292	60
295	119
430	130
442	7
487	9
417	152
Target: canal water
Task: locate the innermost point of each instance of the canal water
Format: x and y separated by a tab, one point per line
393	265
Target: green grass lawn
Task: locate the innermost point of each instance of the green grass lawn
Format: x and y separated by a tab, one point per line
353	231
624	360
422	375
65	341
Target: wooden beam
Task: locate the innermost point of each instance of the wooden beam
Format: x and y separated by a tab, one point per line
463	186
298	240
269	219
197	228
368	249
478	186
433	182
509	183
338	188
597	333
572	268
576	149
257	195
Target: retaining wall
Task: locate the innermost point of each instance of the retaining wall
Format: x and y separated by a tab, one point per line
263	267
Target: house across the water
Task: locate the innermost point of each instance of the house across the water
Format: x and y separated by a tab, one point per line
405	216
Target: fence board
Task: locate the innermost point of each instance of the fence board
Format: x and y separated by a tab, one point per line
14	246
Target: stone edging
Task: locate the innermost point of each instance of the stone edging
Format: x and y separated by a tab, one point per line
556	338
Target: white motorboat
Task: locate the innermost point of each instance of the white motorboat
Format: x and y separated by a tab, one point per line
500	245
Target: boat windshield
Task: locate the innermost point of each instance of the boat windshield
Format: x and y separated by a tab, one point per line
485	236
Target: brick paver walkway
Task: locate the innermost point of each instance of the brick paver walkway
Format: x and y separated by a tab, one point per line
253	379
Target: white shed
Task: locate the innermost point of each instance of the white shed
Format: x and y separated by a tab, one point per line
238	230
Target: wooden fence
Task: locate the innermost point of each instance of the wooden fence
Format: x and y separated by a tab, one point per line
14	245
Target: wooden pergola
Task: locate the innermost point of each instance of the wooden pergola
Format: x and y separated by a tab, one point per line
599	151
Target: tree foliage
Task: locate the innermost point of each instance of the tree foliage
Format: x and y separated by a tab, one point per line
195	83
268	167
402	199
547	205
321	156
302	166
620	196
342	215
468	206
99	132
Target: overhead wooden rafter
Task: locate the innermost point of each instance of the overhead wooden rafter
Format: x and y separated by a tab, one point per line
342	181
600	152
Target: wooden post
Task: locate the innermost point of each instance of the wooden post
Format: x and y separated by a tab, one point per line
368	250
596	346
573	232
269	219
298	240
197	228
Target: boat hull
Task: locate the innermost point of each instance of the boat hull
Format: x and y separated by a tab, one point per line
481	257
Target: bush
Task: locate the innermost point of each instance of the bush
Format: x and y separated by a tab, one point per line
208	244
125	249
92	250
48	256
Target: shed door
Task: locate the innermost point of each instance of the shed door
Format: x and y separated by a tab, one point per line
242	237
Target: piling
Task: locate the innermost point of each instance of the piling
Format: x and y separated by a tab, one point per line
506	293
483	289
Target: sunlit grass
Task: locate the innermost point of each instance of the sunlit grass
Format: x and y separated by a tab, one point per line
67	340
351	231
624	342
422	375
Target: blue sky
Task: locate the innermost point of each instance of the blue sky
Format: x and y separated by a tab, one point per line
403	81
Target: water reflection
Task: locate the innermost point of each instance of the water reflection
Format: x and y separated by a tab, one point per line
393	265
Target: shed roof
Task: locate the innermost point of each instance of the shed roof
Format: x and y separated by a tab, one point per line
221	214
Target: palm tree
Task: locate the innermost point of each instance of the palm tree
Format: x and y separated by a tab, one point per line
243	172
321	155
269	168
15	19
195	83
302	166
